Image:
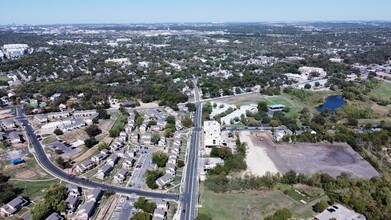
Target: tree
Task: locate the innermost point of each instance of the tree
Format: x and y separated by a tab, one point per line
181	163
7	191
281	214
262	107
155	137
320	206
103	146
103	114
171	120
62	163
40	210
222	152
187	122
151	177
90	142
58	132
290	177
114	132
145	205
317	83
191	107
307	86
108	193
93	130
160	158
141	216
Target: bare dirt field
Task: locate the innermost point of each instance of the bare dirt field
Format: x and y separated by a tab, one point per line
312	158
25	175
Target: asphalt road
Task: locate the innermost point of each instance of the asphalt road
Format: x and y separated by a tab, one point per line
57	172
189	196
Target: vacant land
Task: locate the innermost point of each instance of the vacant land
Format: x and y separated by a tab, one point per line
312	158
33	189
250	205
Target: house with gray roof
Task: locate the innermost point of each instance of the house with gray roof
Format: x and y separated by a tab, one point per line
8	124
113	159
103	171
13	206
159	214
14	137
85	165
164	180
54	216
120	176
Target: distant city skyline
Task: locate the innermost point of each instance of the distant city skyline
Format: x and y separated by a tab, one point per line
167	11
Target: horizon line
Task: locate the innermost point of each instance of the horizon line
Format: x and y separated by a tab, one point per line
195	22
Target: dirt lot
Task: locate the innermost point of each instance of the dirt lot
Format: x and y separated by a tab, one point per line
311	158
25	175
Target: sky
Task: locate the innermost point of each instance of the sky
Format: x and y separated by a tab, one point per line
161	11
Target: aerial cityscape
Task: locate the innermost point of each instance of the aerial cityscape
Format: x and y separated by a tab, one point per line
183	110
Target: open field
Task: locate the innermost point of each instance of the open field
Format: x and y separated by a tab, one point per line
33	190
384	90
251	205
312	158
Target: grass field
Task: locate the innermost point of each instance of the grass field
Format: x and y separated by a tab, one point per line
294	106
33	190
251	205
384	90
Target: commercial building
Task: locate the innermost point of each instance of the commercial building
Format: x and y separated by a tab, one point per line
212	133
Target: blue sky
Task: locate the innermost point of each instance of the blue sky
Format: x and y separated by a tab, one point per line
155	11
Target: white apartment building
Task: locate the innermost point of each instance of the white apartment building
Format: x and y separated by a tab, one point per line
212	133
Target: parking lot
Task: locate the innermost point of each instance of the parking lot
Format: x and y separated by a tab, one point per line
67	149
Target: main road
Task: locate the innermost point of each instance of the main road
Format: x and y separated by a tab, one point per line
189	196
57	172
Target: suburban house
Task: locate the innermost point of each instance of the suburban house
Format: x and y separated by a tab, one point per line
86	210
85	165
161	204
99	157
103	171
131	122
55	216
134	137
13	206
58	115
128	163
143	128
162	142
8	124
120	176
145	139
14	138
41	119
164	180
72	202
74	124
159	214
95	194
72	190
86	113
121	153
170	168
113	159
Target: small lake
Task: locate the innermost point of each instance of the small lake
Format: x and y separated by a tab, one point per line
332	102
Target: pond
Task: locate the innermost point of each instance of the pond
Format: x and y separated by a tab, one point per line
332	102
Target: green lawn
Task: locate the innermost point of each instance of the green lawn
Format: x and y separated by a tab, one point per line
32	190
250	205
293	105
383	91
